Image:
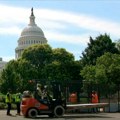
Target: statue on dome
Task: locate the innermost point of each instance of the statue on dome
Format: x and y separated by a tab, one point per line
32	11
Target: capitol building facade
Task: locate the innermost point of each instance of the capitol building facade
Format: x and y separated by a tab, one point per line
2	64
30	35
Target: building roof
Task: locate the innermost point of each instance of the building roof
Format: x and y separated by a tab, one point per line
32	28
2	63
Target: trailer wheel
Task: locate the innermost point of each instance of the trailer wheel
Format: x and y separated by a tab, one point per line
32	113
59	111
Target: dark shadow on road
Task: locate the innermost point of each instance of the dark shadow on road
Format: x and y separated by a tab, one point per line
86	116
77	116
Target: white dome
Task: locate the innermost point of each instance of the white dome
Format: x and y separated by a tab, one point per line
32	31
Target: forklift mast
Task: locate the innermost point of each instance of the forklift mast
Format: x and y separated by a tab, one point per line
56	86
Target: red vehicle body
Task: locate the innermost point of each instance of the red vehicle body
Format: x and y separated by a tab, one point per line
30	103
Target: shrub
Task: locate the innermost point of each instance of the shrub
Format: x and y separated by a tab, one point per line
2	99
2	105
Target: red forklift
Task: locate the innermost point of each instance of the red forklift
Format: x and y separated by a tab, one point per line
32	105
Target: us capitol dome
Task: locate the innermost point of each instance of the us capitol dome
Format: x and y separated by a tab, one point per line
30	35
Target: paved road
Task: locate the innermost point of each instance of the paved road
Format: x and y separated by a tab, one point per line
85	116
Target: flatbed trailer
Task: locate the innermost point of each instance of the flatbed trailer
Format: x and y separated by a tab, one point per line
86	106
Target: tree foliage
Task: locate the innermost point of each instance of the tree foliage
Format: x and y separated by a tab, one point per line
59	67
9	77
42	63
96	48
38	57
63	56
111	65
105	72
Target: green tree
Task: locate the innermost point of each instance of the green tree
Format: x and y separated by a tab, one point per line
16	75
9	77
62	56
88	73
111	65
58	68
74	70
26	73
105	72
38	56
96	48
41	62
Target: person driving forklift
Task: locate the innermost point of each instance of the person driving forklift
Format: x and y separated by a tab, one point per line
41	94
39	90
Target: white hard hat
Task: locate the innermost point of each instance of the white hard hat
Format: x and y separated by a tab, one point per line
38	85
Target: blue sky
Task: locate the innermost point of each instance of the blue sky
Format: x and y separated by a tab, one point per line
66	23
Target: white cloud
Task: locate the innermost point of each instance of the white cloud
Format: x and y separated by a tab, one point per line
10	30
57	25
53	22
82	21
71	38
11	14
51	25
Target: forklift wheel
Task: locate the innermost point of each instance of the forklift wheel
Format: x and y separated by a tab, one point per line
59	111
32	113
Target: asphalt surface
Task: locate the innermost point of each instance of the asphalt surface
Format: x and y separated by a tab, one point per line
72	116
